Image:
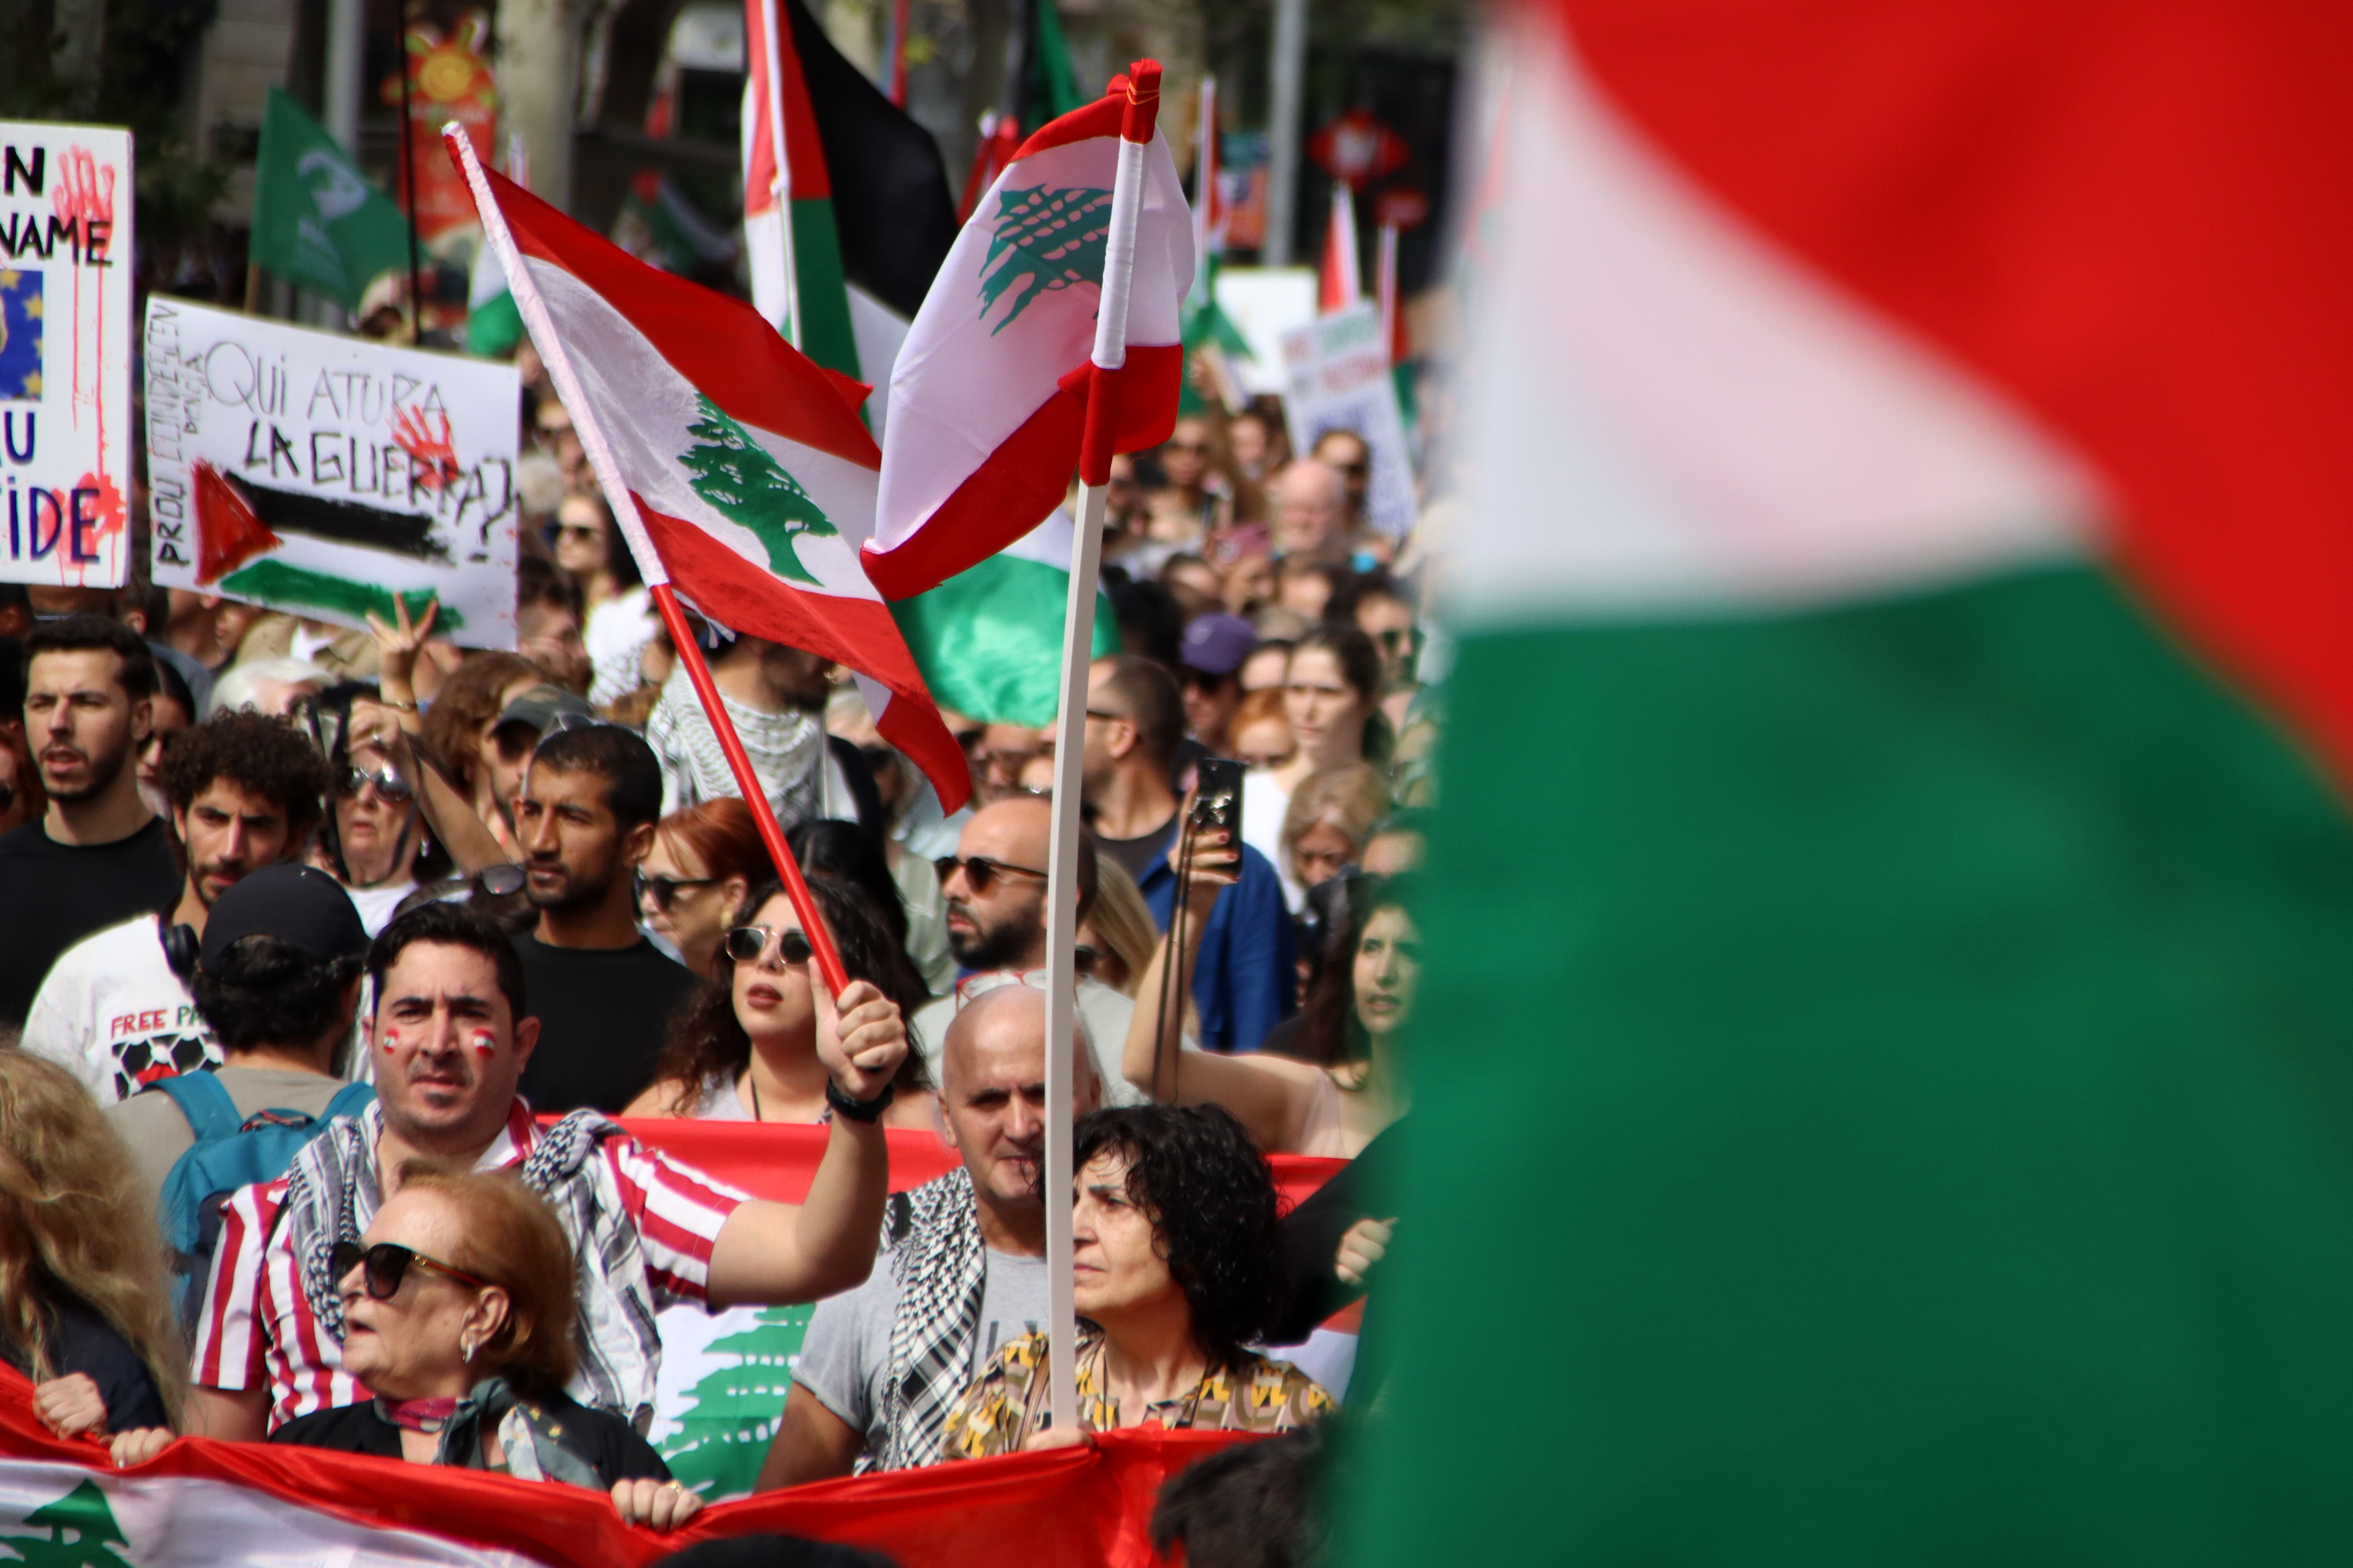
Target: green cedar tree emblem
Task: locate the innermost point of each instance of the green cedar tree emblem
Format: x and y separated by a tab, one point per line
82	1513
1052	238
723	1435
746	483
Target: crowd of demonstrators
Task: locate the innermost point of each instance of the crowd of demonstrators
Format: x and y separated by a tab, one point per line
337	949
452	1033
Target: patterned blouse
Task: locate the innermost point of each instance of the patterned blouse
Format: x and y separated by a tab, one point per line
1009	1400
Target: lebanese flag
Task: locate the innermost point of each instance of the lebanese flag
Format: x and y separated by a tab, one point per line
1896	815
748	462
207	1504
988	399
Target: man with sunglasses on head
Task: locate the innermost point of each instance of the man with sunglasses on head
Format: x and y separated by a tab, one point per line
606	994
117	1009
994	885
451	1038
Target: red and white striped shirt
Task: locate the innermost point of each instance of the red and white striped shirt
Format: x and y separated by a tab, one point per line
257	1325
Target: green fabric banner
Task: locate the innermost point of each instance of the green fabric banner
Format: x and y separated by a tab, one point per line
317	222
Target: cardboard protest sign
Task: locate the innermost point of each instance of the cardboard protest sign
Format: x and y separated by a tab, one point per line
66	334
1338	371
321	474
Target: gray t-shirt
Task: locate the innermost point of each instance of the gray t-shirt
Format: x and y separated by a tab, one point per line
158	1134
846	1351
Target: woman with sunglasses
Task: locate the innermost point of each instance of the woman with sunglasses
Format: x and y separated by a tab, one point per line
375	843
705	862
746	1049
457	1308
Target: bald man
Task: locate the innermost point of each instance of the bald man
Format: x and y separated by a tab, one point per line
995	888
1310	512
964	1267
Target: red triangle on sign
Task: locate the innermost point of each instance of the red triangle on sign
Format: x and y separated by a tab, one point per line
228	533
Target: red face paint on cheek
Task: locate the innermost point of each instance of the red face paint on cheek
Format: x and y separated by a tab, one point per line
391	1041
485	1044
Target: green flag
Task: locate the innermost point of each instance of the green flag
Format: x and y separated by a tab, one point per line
317	222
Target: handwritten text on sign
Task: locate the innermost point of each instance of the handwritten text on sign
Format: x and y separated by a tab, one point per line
324	474
64	355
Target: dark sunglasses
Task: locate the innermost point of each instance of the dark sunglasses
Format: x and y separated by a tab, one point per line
980	871
383	1265
661	890
388	784
746	943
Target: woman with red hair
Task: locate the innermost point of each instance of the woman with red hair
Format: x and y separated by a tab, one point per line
706	860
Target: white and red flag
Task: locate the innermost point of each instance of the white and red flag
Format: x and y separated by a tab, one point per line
754	474
988	400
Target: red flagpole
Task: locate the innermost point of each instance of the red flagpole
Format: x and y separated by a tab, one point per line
747	779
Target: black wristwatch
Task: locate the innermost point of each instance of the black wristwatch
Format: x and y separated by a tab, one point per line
858	1110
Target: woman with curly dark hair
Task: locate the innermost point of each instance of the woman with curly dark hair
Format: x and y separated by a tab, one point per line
746	1050
1173	1244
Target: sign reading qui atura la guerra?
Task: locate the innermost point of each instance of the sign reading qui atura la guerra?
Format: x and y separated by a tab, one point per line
322	474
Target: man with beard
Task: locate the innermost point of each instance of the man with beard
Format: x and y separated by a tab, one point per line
966	1268
118	1010
605	994
994	885
98	856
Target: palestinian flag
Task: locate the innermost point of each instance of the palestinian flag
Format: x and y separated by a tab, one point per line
1894	812
988	399
748	462
989	641
866	188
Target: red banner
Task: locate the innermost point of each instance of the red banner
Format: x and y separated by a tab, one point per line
772	1159
1075	1507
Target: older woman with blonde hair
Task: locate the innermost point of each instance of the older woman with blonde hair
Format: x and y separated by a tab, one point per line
1331	815
84	1309
1116	937
456	1312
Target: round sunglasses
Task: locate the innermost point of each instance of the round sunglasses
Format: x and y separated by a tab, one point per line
383	1265
746	943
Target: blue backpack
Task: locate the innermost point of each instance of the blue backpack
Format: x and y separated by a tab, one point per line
230	1152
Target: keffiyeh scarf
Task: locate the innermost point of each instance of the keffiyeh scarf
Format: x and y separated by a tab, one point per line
933	1236
333	1192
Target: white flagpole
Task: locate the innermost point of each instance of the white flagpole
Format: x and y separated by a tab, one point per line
1070	736
782	187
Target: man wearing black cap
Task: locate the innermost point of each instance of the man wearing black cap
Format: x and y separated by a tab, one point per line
278	982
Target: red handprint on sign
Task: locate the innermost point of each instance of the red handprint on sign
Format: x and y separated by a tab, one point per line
433	453
85	196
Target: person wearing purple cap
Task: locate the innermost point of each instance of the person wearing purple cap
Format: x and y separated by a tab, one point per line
1210	663
277	983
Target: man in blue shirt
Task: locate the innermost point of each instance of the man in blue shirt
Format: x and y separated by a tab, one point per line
1246	979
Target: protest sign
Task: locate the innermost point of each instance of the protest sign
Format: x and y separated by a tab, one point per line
64	355
321	474
1338	370
1264	303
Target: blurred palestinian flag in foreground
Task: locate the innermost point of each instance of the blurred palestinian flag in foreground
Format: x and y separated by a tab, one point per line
1893	817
